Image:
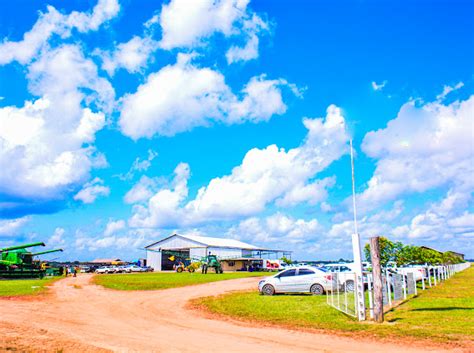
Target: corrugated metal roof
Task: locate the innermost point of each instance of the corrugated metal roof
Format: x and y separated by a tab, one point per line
221	242
212	242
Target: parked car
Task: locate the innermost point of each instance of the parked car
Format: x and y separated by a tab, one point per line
298	280
116	269
345	274
85	269
104	269
417	270
135	268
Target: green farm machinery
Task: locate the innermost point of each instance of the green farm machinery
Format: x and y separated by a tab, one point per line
18	262
187	263
213	262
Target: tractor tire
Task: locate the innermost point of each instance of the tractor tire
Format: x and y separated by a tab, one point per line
317	289
192	269
268	289
179	269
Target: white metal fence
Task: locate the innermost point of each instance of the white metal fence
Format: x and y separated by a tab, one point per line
342	294
397	286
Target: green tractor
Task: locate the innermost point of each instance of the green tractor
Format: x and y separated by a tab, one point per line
18	262
211	261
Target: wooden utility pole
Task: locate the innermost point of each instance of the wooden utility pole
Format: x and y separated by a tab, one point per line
377	277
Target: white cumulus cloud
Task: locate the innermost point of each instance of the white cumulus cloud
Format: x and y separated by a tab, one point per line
423	148
142	190
133	55
92	190
11	227
53	22
157	106
113	227
57	239
269	175
378	86
185	23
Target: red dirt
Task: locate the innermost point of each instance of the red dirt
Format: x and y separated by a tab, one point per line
89	318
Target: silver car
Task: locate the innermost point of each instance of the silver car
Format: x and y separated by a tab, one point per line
298	280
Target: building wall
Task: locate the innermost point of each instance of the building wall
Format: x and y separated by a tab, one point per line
153	259
230	265
175	243
197	252
224	252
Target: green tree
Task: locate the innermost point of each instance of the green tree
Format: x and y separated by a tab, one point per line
430	257
449	258
388	251
286	260
407	254
410	254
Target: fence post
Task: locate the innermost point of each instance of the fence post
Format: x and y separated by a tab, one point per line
377	275
423	280
416	289
338	293
332	290
345	292
404	287
389	291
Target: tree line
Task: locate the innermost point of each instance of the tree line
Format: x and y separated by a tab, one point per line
403	254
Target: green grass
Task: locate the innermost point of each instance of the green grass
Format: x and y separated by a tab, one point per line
444	313
22	287
164	280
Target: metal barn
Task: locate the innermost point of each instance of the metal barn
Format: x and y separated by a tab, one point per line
193	246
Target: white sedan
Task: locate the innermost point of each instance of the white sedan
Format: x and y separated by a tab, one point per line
298	280
104	269
418	271
135	268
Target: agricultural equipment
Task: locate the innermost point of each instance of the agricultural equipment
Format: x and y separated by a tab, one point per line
191	264
182	263
18	262
187	266
211	261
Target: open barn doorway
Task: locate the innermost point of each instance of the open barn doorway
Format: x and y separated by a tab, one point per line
172	257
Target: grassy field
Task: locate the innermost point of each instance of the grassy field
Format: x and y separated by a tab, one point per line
21	287
444	313
152	281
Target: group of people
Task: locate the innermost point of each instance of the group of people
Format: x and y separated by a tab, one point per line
71	270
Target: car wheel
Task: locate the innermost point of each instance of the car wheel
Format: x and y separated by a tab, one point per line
350	286
317	289
268	289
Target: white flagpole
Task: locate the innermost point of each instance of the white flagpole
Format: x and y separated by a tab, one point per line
356	250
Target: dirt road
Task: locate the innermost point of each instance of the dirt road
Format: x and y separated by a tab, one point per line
77	316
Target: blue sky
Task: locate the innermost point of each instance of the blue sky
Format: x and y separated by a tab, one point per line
120	124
